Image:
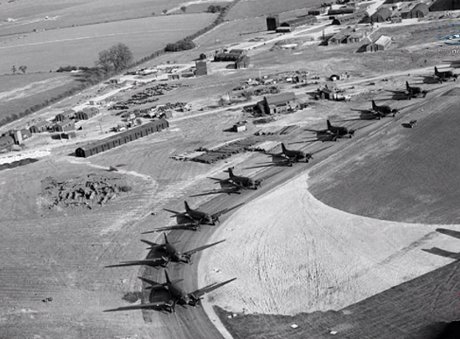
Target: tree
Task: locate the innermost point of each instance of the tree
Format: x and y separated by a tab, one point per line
115	59
183	9
13	69
23	69
164	11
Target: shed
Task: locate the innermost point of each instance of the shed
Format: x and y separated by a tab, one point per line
86	113
420	10
121	138
63	126
383	14
380	44
65	115
279	103
242	62
39	127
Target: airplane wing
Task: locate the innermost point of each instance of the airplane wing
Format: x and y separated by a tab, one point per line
227	191
175	213
202	291
139	306
451	233
156	261
190	226
218	180
198	249
226	210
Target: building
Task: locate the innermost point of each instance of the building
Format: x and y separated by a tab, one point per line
242	62
445	5
347	36
201	68
420	10
6	141
121	138
382	43
279	103
239	127
86	113
383	14
232	55
173	76
285	28
69	114
339	11
272	22
41	126
63	126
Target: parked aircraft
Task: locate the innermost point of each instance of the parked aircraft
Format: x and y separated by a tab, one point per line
293	156
444	75
175	295
332	133
241	182
166	253
383	110
194	219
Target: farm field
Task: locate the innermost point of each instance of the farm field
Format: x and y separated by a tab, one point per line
19	92
44	51
50	14
255	8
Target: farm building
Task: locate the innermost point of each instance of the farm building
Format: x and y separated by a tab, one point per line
201	68
39	127
317	11
420	10
121	138
445	5
86	113
357	17
383	14
63	126
347	36
272	22
279	103
242	62
65	115
6	141
232	55
19	135
380	44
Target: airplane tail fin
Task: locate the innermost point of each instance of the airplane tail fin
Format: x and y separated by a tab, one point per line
328	125
283	148
167	277
436	70
407	85
166	238
187	207
230	172
373	104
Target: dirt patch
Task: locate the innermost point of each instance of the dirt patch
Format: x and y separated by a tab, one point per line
89	191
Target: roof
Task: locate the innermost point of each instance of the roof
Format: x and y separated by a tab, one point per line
383	40
280	98
41	123
122	134
420	6
384	12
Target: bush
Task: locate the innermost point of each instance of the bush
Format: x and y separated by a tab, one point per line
180	46
125	188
